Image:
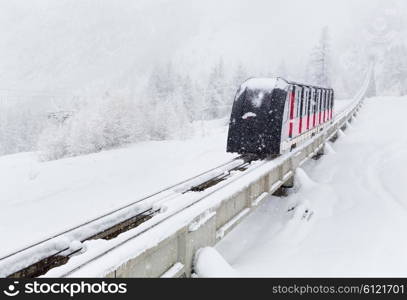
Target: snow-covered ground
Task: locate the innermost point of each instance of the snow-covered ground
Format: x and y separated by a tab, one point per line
356	221
40	199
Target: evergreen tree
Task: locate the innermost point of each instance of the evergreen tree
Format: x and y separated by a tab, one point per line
161	83
319	66
384	34
215	93
187	95
238	78
394	71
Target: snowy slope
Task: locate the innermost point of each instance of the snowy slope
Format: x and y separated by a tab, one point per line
356	197
48	197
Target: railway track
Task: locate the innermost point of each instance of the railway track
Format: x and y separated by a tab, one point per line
202	191
38	258
142	214
207	188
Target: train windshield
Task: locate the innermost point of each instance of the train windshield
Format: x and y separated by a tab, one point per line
256	101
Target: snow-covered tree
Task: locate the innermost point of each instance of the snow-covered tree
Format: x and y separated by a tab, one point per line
215	92
240	75
187	94
101	123
385	33
394	71
319	66
162	82
22	119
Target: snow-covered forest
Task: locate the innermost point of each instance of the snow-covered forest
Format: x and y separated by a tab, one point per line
78	77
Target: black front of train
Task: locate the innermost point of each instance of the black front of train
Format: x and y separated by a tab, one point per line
256	122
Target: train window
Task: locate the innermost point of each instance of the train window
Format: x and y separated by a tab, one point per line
329	100
298	101
320	101
313	101
294	108
287	107
323	99
301	100
298	98
305	101
331	103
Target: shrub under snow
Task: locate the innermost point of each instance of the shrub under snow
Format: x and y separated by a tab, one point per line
109	122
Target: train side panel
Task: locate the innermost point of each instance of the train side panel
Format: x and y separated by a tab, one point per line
308	110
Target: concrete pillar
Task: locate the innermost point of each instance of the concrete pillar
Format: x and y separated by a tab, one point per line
334	137
320	153
204	236
289	184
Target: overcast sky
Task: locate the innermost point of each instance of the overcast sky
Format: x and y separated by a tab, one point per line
69	44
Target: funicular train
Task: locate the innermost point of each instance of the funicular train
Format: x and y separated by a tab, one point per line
272	116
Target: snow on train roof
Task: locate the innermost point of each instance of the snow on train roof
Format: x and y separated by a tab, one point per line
265	84
269	84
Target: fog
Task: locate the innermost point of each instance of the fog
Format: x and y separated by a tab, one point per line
148	69
69	45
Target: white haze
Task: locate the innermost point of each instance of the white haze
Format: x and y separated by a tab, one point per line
59	55
65	45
